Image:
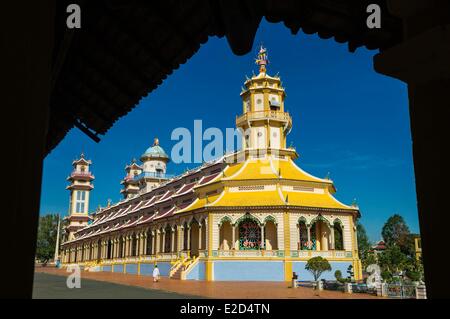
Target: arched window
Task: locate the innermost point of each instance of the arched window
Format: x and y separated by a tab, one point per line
303	230
149	243
338	236
270	235
121	243
167	239
194	238
133	245
249	234
109	250
225	234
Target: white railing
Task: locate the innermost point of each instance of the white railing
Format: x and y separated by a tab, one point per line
167	256
318	253
321	254
245	253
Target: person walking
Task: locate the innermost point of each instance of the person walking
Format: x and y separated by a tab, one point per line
156	274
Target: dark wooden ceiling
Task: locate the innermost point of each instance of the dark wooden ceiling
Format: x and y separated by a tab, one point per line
126	48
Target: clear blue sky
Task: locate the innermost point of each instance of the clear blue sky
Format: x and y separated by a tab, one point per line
347	120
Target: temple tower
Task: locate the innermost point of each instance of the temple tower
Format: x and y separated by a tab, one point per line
80	186
154	162
264	123
131	180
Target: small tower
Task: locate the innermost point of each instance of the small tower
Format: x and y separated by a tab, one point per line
80	186
131	180
154	162
264	123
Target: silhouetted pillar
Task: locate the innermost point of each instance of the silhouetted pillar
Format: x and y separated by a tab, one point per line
422	61
27	33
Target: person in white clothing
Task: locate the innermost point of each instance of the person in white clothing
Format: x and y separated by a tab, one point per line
156	274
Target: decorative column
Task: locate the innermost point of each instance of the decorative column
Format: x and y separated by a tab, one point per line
154	243
129	242
263	240
188	238
332	243
172	239
199	236
105	247
420	59
233	236
114	247
144	245
181	238
308	230
124	246
158	240
206	234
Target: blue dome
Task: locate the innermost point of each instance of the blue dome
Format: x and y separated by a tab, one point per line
155	151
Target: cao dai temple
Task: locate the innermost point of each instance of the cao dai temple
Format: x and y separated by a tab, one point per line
250	215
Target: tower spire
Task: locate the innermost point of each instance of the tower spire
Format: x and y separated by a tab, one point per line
262	59
80	187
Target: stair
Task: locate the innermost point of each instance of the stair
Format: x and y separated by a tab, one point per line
177	274
183	267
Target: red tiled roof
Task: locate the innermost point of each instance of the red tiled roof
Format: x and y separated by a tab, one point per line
208	178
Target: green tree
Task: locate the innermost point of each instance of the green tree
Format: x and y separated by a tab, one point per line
392	260
396	232
46	239
364	246
316	266
338	275
339	278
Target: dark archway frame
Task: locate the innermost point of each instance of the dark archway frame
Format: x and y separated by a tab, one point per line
43	52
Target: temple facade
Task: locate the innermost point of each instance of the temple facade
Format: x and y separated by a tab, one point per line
250	215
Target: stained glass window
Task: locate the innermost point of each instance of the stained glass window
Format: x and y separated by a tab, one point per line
303	236
249	235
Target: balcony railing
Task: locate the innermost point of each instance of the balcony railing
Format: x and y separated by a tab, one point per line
323	253
153	175
247	253
266	114
303	254
81	174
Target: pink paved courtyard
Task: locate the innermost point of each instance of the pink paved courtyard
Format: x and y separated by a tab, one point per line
213	289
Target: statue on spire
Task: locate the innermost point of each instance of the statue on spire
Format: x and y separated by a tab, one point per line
262	59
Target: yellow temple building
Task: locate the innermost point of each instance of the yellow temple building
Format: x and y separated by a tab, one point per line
249	215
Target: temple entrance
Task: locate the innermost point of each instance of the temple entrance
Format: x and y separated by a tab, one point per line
338	236
121	246
109	250
194	239
270	236
149	243
303	240
167	239
320	235
226	236
249	234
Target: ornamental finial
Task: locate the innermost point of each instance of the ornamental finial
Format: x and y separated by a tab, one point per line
262	59
156	142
